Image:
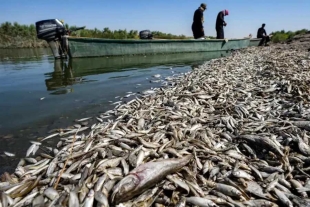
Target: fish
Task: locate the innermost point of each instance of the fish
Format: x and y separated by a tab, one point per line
90	198
38	201
31	149
83	119
51	193
50	136
148	92
146	176
283	198
9	154
203	202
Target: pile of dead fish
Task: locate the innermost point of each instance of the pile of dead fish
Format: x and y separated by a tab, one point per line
232	132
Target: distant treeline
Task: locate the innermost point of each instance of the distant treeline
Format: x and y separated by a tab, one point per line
120	34
19	36
282	36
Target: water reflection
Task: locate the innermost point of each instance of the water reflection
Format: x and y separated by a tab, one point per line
62	76
74	71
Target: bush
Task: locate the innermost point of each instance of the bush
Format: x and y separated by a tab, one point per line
279	37
282	36
303	31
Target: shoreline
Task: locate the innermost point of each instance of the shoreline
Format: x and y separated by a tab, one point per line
29	46
7	42
218	104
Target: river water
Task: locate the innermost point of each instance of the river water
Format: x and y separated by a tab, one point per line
39	94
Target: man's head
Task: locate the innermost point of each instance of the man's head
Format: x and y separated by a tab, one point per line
203	6
226	12
263	25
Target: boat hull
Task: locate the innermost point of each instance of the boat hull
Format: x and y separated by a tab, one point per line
95	47
254	42
122	63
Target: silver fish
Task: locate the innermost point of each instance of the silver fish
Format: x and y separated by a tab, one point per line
146	176
203	202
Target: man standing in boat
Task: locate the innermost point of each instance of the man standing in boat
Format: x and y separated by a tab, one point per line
261	33
220	23
197	26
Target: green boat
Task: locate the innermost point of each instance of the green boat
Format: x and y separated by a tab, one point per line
254	42
63	46
92	47
116	63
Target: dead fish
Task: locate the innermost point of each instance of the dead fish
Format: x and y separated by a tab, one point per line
30	149
260	202
50	136
84	119
282	198
101	198
90	198
148	92
145	176
9	154
51	193
73	199
38	201
203	202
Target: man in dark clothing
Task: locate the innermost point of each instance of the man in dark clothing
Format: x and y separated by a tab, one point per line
220	23
261	33
198	20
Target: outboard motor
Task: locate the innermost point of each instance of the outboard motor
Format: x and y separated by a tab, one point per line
54	32
145	34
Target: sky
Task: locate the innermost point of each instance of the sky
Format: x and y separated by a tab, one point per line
169	16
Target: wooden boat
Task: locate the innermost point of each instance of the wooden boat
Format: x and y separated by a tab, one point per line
95	47
116	63
254	42
62	45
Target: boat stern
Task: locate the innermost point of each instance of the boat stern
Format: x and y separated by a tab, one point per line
54	33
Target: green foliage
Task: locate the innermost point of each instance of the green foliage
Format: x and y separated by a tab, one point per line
282	36
120	34
15	29
19	36
210	37
161	35
105	33
302	31
279	37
